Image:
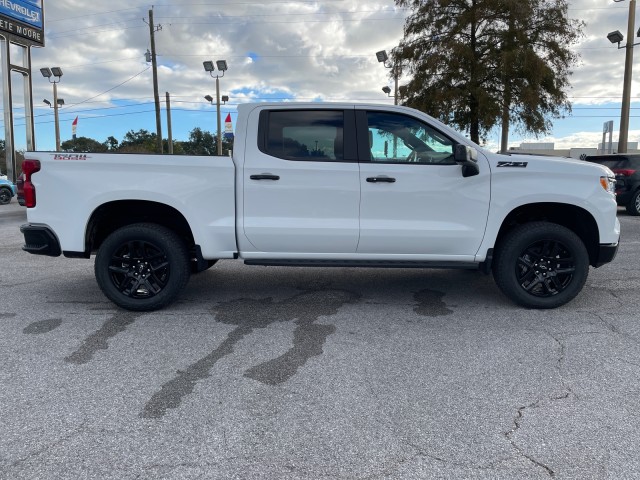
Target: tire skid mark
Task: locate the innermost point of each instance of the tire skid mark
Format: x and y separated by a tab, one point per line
99	340
249	315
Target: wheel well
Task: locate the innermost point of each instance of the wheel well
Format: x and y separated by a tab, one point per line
113	215
574	218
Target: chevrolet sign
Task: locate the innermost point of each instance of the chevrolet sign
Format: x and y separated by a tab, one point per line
23	18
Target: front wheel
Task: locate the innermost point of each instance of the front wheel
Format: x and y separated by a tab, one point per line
142	267
541	265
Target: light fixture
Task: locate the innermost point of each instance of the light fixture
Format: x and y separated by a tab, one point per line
208	98
47	102
208	66
222	65
615	37
386	90
46	72
225	98
382	56
57	71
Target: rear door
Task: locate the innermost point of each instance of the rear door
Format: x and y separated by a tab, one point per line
301	183
414	198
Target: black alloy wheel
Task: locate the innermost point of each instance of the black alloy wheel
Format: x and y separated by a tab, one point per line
545	268
541	265
139	269
142	267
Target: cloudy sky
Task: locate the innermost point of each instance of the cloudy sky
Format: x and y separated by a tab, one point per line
304	50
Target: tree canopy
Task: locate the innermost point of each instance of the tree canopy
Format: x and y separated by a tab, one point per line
475	63
200	142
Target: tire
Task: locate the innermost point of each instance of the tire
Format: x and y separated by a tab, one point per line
5	196
633	207
541	265
142	267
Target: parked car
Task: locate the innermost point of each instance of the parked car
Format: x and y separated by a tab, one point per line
7	191
627	170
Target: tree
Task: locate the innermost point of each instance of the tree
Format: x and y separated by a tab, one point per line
477	62
111	143
83	144
3	158
141	141
202	142
19	158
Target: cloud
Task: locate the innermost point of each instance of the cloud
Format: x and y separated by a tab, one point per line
303	50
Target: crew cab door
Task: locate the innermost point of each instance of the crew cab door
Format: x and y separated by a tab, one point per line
300	181
414	198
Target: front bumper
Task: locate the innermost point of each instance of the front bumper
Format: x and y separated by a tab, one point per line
40	240
606	254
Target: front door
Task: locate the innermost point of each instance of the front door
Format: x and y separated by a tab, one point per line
415	200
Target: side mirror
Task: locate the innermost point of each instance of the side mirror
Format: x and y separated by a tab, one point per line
468	158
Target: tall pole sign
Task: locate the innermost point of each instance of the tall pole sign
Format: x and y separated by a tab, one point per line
22	25
23	19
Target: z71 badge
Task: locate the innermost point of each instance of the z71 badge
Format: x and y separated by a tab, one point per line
513	164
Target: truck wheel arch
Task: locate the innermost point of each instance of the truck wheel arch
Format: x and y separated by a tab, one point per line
575	218
111	216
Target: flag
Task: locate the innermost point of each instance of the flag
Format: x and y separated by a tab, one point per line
228	127
74	127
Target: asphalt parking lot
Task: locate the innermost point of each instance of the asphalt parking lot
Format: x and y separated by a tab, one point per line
299	373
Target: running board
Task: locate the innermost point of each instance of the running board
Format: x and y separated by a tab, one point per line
362	263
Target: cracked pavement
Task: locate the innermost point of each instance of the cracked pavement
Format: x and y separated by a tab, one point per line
299	373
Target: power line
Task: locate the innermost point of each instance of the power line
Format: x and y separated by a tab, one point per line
113	88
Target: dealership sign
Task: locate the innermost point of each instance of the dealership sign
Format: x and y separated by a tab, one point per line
23	18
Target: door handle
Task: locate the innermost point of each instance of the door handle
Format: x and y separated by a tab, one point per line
381	179
264	176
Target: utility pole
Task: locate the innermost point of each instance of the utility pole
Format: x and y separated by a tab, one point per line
154	66
169	123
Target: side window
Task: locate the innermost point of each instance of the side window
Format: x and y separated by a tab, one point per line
304	135
397	138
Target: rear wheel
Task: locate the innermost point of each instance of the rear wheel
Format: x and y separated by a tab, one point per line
142	267
541	265
633	207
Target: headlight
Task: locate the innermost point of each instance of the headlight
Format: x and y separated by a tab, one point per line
609	184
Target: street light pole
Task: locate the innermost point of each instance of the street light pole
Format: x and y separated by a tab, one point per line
395	71
626	89
56	73
617	37
218	112
222	67
55	114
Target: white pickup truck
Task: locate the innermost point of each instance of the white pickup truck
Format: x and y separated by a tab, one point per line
324	185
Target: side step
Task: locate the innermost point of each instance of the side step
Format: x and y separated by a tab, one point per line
362	263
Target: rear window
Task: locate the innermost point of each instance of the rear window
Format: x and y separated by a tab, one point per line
305	135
